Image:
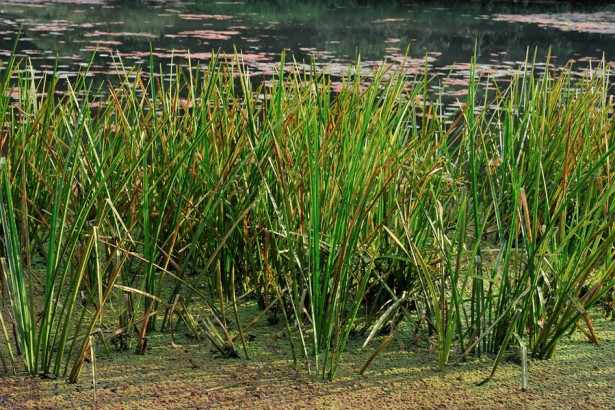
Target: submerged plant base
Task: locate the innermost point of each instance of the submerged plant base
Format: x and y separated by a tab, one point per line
578	377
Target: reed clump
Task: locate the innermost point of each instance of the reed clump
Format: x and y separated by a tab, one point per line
488	230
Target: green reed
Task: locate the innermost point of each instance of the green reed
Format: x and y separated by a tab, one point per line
488	229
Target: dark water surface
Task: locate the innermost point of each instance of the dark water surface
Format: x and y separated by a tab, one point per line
442	34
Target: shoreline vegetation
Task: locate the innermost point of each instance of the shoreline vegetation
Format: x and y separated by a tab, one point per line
579	376
159	205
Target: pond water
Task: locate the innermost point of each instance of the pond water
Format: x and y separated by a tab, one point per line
443	35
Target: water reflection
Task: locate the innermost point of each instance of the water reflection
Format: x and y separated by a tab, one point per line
442	35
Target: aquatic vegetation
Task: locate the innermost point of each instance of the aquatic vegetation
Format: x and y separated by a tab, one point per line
165	201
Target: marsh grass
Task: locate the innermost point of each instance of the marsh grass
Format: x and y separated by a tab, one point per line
488	230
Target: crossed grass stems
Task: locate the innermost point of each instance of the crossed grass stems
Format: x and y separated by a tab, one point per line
488	229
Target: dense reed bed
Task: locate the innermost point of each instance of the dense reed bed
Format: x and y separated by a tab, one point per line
159	204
